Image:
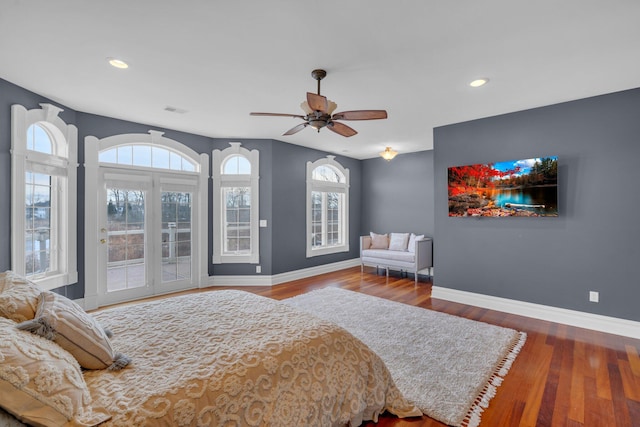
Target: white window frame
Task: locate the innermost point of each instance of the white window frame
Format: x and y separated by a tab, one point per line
220	180
328	187
61	163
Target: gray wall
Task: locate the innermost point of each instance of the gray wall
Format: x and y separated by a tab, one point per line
289	207
282	189
397	196
592	245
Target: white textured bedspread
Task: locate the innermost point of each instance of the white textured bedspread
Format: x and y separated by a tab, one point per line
231	358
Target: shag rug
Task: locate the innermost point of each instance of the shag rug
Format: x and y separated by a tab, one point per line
448	366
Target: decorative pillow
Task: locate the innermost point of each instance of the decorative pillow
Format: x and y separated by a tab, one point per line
18	297
412	242
42	384
398	241
379	241
65	322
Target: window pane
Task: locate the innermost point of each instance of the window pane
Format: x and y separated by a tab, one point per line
38	139
142	155
237	228
187	166
108	156
175	161
38	232
236	165
327	173
125	155
160	158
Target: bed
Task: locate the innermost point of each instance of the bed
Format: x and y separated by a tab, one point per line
232	358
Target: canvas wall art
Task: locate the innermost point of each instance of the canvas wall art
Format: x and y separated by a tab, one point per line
524	188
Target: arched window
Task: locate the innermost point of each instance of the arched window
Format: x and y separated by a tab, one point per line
327	207
235	205
147	155
44	162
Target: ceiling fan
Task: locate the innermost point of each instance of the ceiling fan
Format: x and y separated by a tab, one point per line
319	113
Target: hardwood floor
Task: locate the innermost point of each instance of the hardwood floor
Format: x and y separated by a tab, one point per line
564	376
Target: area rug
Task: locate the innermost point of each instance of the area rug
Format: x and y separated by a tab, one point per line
450	367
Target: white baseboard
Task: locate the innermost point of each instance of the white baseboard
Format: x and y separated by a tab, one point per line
260	280
611	325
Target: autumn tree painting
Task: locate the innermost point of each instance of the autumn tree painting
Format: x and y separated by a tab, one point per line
514	188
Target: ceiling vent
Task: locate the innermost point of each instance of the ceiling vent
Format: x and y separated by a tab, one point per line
174	110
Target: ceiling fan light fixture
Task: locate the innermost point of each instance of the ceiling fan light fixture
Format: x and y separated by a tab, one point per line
305	107
388	154
331	107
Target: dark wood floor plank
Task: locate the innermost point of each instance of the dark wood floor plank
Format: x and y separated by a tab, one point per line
576	396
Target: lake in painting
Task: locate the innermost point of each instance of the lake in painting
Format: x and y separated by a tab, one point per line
527	187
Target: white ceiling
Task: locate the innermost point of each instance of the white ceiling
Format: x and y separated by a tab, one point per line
221	59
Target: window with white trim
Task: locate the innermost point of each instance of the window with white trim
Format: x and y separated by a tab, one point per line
147	156
43	194
235	205
327	207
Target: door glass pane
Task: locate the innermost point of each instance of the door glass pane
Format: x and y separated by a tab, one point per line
176	235
125	239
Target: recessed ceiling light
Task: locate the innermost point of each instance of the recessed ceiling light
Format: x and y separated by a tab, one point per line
479	82
118	63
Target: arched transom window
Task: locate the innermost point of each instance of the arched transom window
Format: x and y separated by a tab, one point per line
146	155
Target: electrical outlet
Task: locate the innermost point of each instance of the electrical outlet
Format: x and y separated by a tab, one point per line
594	296
258	269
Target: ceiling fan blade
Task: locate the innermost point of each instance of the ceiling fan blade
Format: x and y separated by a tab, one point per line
296	129
360	115
341	129
298	116
317	102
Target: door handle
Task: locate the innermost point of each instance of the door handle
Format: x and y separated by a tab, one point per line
103	241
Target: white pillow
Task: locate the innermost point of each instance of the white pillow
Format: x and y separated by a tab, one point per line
379	241
398	241
412	242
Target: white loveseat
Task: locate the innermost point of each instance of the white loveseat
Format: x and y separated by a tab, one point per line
396	251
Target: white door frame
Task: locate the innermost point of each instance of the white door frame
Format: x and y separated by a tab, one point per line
94	204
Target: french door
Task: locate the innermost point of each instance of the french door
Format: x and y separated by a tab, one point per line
146	231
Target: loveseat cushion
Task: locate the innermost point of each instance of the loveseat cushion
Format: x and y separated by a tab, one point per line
386	254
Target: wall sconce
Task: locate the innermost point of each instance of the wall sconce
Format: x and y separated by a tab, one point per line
388	154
